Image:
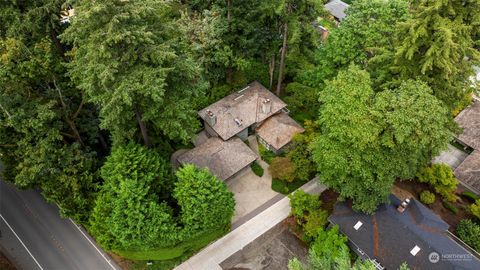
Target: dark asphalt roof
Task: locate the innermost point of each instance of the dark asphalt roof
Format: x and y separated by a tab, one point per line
388	236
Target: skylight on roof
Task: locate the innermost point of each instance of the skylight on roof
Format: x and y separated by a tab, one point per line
244	89
358	225
415	250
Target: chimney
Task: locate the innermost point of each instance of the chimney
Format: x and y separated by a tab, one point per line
238	122
266	106
211	118
401	208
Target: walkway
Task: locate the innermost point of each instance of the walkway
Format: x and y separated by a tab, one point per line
211	256
453	157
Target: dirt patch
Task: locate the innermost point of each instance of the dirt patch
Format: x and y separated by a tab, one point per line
329	198
5	263
270	251
123	263
452	219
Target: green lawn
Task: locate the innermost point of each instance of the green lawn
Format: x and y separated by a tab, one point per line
178	251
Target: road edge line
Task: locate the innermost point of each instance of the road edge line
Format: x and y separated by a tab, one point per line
21	242
91	243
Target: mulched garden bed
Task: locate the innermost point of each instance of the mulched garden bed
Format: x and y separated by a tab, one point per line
462	204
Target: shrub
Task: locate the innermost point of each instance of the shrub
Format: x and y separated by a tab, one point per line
470	195
315	221
441	178
475	209
302	203
469	232
300	154
427	197
266	154
280	186
257	169
450	207
308	214
282	168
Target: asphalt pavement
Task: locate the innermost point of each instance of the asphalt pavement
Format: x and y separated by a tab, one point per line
34	236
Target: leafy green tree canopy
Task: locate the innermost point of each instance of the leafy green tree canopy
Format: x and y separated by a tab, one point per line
367	140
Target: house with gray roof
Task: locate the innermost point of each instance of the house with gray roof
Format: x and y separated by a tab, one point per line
223	158
416	236
229	121
337	9
468	172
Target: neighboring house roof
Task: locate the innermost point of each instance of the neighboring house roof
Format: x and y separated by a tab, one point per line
390	237
278	130
244	106
469	171
469	121
337	9
222	158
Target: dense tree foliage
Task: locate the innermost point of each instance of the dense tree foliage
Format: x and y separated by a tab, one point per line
47	135
132	211
129	59
441	178
77	97
205	202
436	45
365	38
367	140
330	252
127	213
469	231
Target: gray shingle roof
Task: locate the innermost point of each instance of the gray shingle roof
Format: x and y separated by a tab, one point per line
279	130
469	121
222	158
337	9
244	105
469	171
388	236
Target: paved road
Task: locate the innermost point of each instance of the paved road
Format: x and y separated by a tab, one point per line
34	236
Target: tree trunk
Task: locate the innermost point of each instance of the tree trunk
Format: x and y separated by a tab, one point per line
282	58
73	127
103	143
57	43
271	70
143	127
229	10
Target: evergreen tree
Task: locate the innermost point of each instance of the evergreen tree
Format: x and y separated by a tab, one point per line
436	45
129	60
46	131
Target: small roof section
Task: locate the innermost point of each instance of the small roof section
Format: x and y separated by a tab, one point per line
469	121
390	237
469	171
337	9
222	158
244	106
279	130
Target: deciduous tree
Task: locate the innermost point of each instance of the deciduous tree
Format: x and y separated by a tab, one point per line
367	140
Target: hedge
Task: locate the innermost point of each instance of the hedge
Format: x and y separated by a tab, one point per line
168	253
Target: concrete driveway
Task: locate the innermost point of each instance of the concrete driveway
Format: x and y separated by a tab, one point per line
251	193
